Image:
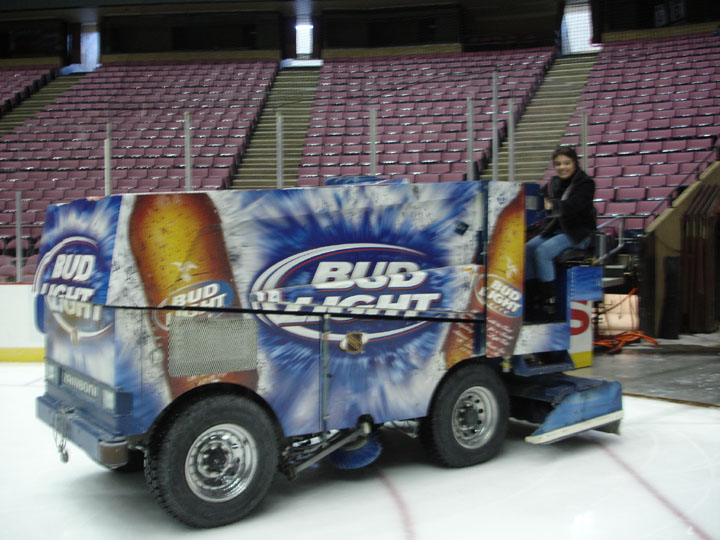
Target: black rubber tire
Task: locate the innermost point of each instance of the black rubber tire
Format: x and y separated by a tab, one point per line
468	418
209	420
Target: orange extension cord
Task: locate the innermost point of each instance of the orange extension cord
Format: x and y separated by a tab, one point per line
615	343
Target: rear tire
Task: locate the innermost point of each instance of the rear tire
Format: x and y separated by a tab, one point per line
468	418
214	462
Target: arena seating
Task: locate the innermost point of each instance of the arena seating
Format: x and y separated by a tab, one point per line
58	154
653	110
421	104
17	83
8	270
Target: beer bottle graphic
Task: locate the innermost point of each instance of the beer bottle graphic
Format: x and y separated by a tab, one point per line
179	249
504	292
460	342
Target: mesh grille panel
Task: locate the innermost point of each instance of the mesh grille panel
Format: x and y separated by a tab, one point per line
205	346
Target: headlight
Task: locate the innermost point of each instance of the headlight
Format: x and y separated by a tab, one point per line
52	373
108	399
116	401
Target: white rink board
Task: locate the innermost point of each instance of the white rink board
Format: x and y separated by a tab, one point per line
17	317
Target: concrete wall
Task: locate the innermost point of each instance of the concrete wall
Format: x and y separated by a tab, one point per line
20	341
656	33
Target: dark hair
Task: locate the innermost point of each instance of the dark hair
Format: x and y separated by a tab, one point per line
567	151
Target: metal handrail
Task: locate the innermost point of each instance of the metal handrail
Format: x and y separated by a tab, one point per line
694	173
621	238
621	218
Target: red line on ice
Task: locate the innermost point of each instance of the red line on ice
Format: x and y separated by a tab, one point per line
655	493
400	503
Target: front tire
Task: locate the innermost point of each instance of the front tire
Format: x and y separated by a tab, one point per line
213	463
468	418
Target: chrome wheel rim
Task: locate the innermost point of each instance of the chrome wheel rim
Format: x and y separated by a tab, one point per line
221	463
474	417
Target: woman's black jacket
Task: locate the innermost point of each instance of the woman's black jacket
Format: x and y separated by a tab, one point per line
575	214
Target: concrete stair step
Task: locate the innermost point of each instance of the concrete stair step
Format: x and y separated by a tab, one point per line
270	166
265	160
543	123
522	166
287	127
268	139
288	176
567	78
543	134
530	149
551	99
37	102
549	107
552	123
290	96
526	165
530	143
268	163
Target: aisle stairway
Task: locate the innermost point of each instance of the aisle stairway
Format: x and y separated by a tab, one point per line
291	95
539	132
542	126
37	102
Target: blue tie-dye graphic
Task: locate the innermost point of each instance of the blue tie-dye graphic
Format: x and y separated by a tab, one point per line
74	265
346	226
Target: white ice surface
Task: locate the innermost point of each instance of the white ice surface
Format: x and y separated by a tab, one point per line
659	480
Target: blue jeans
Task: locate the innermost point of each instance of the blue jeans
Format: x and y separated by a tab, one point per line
540	252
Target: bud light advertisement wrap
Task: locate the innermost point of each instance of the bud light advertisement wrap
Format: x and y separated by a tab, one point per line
377	366
504	287
73	272
397	250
